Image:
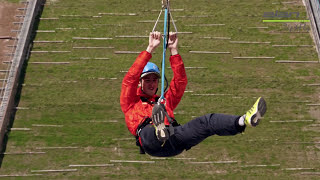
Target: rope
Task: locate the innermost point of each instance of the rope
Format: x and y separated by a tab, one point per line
164	53
174	25
166	30
171	17
155	25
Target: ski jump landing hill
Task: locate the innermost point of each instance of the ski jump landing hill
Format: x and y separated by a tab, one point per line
75	118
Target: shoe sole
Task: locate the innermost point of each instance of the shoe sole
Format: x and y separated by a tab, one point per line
162	133
262	109
161	130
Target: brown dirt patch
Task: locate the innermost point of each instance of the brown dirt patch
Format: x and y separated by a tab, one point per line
8	12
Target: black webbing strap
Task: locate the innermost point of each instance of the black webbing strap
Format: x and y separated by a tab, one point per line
143	124
168	30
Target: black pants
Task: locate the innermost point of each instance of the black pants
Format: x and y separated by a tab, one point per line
189	134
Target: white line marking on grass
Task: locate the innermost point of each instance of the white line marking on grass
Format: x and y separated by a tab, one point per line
109	25
289	61
284	45
200	16
94	121
214	162
310	173
88	58
127	52
261	165
172	10
91	165
45	31
297	169
151	21
253	57
54	170
313	104
130	161
65	28
211	94
301	142
50	51
49	18
192	67
19	175
129	36
119	14
69	81
46	125
204	25
195	67
222	38
248	42
73	16
259	27
93	47
311	84
291	121
49	62
314	125
92	38
48	41
22	153
20	129
208	52
289	2
48	148
21	108
306	45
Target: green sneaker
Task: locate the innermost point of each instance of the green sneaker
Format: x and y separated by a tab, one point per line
254	115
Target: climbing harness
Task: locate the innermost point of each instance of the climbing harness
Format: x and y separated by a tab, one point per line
147	120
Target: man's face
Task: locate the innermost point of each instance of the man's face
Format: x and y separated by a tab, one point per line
149	84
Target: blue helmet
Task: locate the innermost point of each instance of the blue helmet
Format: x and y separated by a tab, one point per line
149	69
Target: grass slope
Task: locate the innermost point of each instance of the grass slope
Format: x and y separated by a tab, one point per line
83	95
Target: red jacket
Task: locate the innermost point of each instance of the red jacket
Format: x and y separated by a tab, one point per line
133	108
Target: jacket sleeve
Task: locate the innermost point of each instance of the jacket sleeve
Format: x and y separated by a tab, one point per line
178	83
128	96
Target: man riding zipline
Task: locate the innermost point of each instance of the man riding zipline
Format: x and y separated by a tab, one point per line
153	123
